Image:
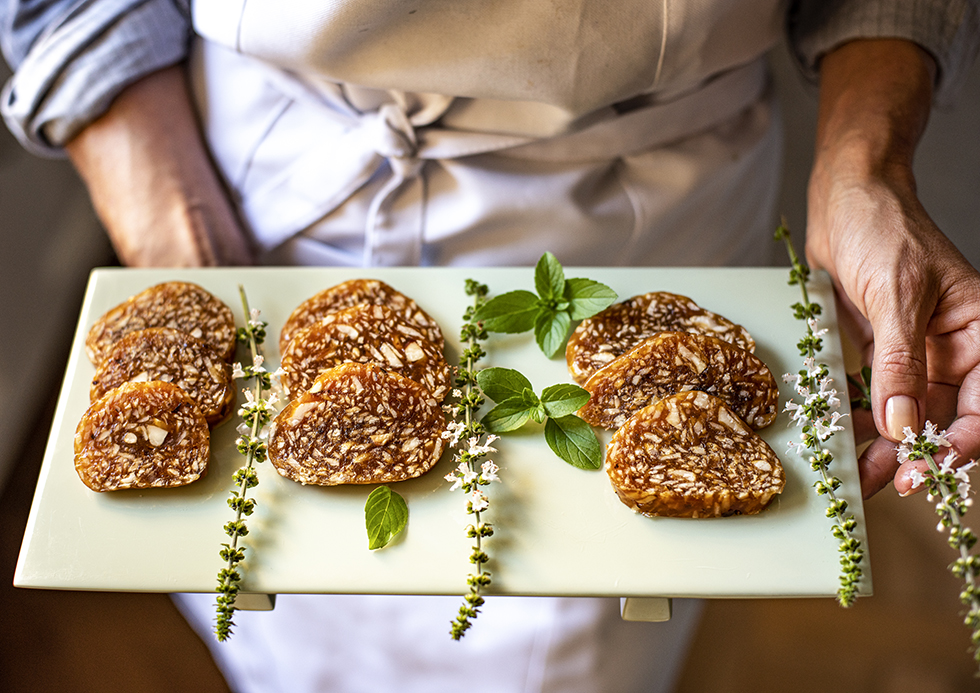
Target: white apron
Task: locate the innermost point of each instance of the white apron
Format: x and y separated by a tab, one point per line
454	132
394	132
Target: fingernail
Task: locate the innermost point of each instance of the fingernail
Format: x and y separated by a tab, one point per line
901	412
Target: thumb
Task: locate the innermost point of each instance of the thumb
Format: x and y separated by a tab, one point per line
899	375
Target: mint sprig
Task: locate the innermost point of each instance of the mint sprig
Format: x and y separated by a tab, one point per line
385	516
550	312
568	436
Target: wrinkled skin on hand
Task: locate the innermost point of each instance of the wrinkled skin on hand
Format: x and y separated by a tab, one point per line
896	272
907	298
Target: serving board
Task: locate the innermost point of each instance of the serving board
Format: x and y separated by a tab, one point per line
559	530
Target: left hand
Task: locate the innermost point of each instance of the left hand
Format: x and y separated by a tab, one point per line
909	298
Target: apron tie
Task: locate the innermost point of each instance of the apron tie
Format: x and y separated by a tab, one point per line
395	237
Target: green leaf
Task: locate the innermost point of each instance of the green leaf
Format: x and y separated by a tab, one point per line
563	399
587	297
549	277
574	441
509	415
385	515
501	384
511	312
551	330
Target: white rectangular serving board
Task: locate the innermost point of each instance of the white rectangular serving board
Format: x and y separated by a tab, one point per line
559	530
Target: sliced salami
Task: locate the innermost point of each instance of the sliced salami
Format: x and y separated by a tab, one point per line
611	333
354	293
358	424
689	455
365	334
142	435
672	362
161	353
178	305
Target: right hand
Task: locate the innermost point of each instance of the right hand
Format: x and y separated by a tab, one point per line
152	182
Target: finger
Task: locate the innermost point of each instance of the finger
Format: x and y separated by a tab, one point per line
864	426
877	466
898	386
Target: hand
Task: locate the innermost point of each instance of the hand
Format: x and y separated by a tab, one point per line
908	298
152	183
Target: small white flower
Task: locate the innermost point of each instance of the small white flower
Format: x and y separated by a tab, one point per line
464	472
479	501
488	472
476	449
917	478
935	436
454	480
453	431
237	372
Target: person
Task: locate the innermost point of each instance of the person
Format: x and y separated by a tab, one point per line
392	133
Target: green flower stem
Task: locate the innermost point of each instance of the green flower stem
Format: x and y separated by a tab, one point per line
812	416
256	415
469	474
967	566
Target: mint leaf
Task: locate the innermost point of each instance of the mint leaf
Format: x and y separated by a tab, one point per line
385	515
511	312
587	297
549	278
551	330
574	441
502	384
563	399
509	415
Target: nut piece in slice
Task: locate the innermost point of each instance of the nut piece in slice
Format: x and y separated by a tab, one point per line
688	455
358	424
353	293
142	435
620	327
161	353
179	305
672	362
364	334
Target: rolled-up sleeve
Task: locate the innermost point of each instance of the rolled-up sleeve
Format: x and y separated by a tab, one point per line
948	29
71	59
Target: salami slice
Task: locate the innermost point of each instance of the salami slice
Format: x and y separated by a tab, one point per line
611	333
364	334
161	353
672	362
358	424
142	435
689	455
354	293
179	305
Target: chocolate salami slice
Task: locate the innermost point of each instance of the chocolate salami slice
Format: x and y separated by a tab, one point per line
354	293
611	333
689	455
142	435
364	334
161	353
178	305
358	424
672	362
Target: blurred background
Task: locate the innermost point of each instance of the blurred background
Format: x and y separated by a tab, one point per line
907	638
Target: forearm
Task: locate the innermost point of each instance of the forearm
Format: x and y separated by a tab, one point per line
152	182
899	280
875	98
